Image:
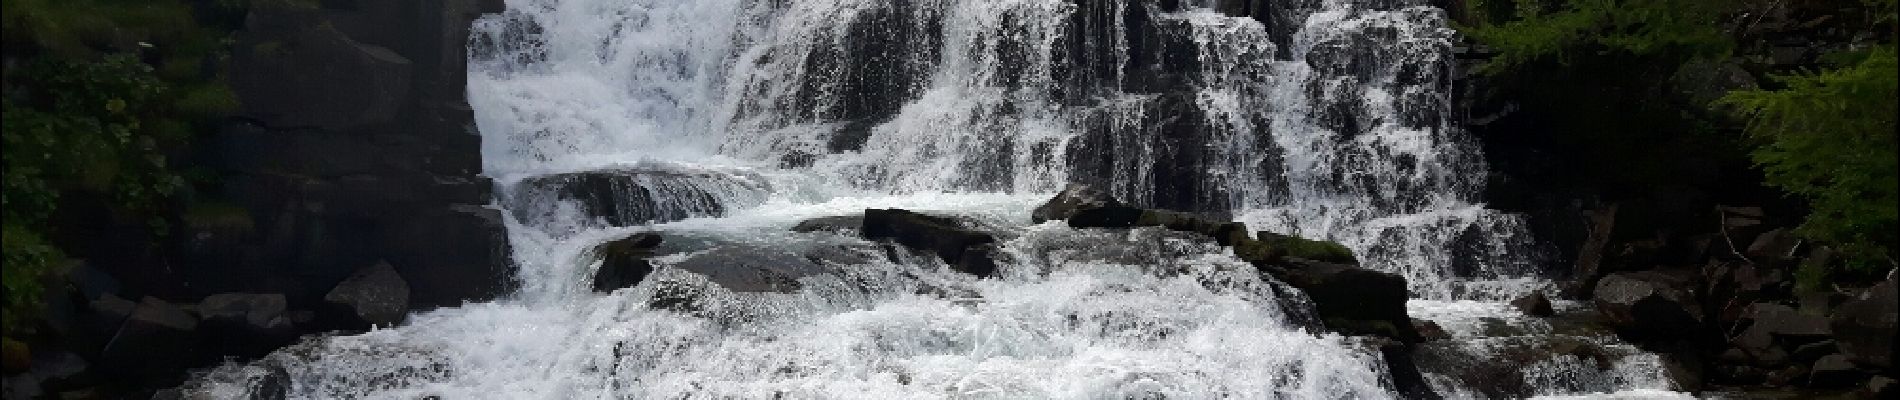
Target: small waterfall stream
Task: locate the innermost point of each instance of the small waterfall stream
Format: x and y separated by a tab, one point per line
722	123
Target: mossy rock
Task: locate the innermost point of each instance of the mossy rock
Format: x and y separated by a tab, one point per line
218	216
1316	250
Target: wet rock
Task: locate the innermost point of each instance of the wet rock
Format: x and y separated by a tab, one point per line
375	295
1317	250
1834	371
1656	304
1405	374
1430	331
623	262
743	268
1534	304
1106	217
941	236
632	196
841	223
1073	198
1864	327
1349	299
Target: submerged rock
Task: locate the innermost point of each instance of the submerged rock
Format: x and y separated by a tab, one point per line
629	196
623	262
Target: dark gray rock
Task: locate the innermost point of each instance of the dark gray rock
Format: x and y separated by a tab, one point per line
624	261
1834	371
1106	217
245	324
251	312
1349	299
629	196
1072	199
1771	325
450	255
376	295
841	223
357	84
744	268
943	237
1534	304
1864	327
1881	387
155	340
1645	305
1810	352
1774	245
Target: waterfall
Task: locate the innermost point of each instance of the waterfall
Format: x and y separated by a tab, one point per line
721	123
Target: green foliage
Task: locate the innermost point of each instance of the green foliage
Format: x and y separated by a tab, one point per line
1679	29
1829	137
98	95
27	258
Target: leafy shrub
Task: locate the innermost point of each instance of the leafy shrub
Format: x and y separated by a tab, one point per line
1828	137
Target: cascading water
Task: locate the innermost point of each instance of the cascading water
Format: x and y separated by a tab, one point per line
723	122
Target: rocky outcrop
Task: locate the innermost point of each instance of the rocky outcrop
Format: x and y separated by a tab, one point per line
1651	305
353	144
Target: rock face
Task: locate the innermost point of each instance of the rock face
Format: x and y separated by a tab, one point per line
965	249
1865	326
376	295
353	144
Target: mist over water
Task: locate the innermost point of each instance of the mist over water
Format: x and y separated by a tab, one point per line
1335	126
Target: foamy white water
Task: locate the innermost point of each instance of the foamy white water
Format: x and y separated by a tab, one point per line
773	112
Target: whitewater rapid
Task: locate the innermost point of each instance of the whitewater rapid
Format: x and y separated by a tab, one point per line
977	113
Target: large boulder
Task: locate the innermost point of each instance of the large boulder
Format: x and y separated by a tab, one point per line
247	324
1656	304
1864	326
949	240
623	262
1774	331
1349	299
1072	199
373	296
154	340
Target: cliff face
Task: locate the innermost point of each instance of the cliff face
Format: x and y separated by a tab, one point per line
354	145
